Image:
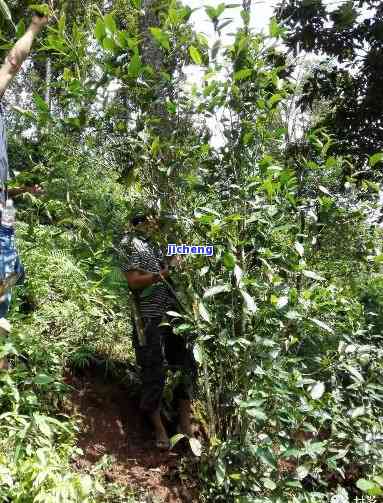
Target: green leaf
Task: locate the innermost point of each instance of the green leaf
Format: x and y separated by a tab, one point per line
299	247
6	476
173	16
250	302
355	373
224	24
8	349
269	484
215	290
293	483
183	327
20	29
198	353
215	49
266	456
344	16
211	12
171	107
195	446
229	260
243	74
67	74
42	424
317	390
357	412
195	55
274	28
136	3
203	312
123	39
247	137
42	9
374	159
251	404
155	146
26	113
324	190
282	302
109	44
220	472
134	67
110	23
293	315
99	30
257	414
40	104
313	275
175	439
302	472
174	314
43	379
6	12
369	487
161	37
321	324
315	448
202	40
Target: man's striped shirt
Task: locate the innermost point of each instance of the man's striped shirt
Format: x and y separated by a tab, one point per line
141	254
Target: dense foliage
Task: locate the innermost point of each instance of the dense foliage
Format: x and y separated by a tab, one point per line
287	314
350	36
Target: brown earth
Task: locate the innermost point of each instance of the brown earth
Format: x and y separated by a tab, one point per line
113	425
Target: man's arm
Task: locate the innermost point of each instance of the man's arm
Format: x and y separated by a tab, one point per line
33	189
138	280
19	53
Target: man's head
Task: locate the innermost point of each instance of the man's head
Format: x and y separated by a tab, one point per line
150	223
145	222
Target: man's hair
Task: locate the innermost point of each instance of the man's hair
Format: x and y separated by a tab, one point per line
138	219
140	216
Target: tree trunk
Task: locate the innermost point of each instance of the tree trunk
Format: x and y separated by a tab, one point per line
153	55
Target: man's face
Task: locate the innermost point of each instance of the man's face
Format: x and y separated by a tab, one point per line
149	227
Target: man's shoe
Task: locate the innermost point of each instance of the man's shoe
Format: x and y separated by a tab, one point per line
162	445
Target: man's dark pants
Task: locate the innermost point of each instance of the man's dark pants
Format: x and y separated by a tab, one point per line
163	349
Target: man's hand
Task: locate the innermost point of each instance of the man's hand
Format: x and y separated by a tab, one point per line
164	273
34	189
20	52
38	22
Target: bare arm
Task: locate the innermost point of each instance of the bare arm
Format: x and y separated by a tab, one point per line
16	191
19	53
138	280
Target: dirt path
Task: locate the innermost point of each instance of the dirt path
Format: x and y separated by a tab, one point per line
113	426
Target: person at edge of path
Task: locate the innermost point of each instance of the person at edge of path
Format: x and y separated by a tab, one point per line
156	347
9	260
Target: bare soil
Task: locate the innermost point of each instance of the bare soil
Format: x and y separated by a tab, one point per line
113	425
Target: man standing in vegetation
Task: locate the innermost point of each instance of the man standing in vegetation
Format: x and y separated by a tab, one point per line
156	346
8	255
